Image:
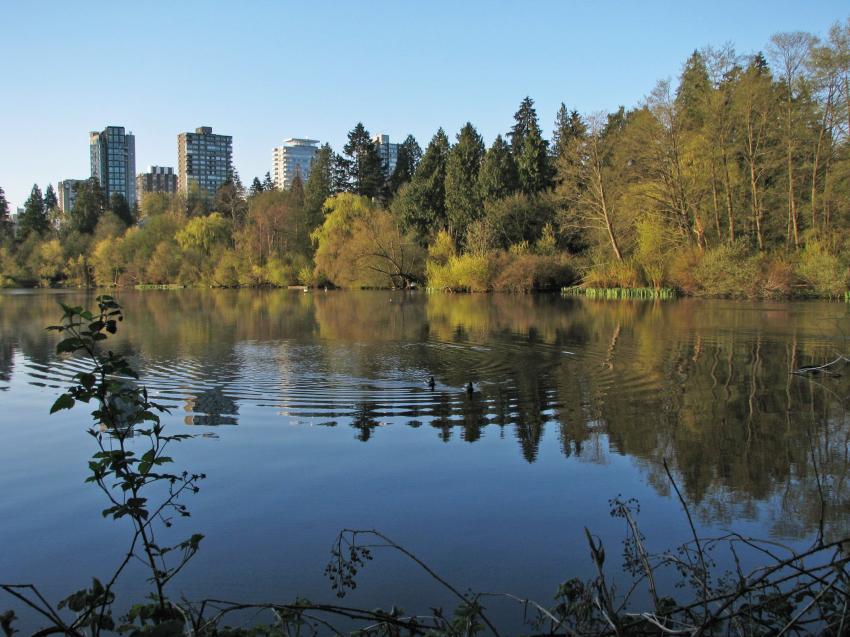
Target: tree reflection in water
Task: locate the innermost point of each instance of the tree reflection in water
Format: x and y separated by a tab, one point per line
705	384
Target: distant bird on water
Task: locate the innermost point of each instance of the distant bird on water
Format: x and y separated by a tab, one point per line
469	388
431	383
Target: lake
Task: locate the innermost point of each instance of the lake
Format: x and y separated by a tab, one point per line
313	414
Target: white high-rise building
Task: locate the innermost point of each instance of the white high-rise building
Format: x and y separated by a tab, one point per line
295	157
387	151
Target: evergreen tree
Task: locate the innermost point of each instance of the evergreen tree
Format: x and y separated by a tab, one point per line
524	118
414	152
51	202
319	185
120	208
421	205
530	150
533	163
268	184
340	174
694	93
498	175
89	206
568	127
409	155
256	187
366	169
570	130
296	190
5	220
34	217
463	201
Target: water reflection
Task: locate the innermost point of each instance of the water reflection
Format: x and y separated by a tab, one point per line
705	384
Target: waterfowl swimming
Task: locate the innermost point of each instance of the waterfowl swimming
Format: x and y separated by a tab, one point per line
469	388
431	383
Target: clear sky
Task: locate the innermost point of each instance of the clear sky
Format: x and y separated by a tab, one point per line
265	71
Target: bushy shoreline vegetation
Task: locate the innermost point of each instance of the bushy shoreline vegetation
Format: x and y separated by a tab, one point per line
735	182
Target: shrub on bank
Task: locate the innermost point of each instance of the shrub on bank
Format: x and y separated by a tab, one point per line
822	271
501	271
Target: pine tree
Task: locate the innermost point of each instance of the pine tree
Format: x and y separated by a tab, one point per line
296	190
694	93
530	150
5	221
525	118
414	152
570	130
421	205
366	169
34	217
463	201
51	202
268	184
120	208
340	174
319	185
256	187
89	206
498	175
568	127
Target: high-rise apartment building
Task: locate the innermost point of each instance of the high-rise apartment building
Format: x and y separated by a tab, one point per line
387	151
295	157
204	159
67	192
157	179
113	162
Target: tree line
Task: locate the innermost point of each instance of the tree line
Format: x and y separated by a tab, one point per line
734	181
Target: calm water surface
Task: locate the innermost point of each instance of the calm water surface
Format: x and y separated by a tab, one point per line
315	415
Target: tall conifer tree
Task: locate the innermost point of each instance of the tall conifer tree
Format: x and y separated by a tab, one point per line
463	200
33	220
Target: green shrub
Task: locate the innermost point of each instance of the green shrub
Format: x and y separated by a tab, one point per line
821	271
728	270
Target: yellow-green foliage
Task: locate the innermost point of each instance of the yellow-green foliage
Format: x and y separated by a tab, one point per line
463	273
442	249
204	233
106	262
729	270
361	245
503	271
613	274
650	253
821	271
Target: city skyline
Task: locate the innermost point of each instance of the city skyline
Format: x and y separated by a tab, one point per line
425	68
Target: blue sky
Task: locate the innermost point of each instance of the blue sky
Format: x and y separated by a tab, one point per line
265	71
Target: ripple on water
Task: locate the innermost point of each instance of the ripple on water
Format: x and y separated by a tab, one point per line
358	383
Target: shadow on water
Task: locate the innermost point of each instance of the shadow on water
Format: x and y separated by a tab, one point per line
706	384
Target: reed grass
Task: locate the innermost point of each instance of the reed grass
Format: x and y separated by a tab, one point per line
159	286
618	294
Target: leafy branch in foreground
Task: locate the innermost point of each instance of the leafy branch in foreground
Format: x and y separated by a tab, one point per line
128	467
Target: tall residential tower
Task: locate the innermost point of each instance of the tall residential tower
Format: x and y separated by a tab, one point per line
387	151
295	157
113	162
157	179
204	159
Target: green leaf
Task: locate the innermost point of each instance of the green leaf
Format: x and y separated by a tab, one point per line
63	402
69	345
